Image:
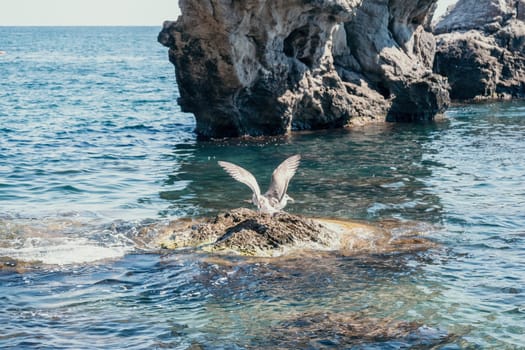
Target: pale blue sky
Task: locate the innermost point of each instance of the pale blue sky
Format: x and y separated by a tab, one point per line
87	12
96	12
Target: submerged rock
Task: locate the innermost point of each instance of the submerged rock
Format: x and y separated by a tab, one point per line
263	68
480	49
246	232
337	330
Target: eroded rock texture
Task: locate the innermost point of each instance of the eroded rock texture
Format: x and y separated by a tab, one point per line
259	67
246	232
481	49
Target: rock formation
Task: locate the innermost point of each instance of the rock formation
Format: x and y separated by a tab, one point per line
260	68
246	232
480	49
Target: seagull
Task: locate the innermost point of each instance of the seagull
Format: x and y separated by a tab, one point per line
275	199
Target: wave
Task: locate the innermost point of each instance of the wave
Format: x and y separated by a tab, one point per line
63	240
63	251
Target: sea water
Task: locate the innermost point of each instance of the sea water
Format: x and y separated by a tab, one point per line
93	145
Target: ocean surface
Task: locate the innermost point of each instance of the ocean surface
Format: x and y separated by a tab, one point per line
93	146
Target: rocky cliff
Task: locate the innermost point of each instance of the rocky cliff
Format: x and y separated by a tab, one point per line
480	49
259	67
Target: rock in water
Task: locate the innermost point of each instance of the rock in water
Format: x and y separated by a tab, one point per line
481	49
246	232
347	330
257	67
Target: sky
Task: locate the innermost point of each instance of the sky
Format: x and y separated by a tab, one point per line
87	12
97	12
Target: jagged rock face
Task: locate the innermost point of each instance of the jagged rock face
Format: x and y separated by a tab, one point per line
480	49
394	55
261	67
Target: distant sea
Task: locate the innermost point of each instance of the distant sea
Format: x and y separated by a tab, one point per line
93	146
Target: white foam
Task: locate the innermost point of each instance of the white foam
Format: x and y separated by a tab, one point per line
63	251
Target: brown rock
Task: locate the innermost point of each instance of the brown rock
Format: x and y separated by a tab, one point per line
246	232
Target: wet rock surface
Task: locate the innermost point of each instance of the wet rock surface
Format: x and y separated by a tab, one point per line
246	232
263	68
480	49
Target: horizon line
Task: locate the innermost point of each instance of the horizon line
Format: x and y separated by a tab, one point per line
81	25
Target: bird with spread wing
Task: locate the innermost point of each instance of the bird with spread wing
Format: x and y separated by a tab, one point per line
276	198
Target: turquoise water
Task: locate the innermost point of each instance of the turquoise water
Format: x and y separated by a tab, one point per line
93	145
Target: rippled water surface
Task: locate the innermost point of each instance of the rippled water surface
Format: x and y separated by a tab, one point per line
93	145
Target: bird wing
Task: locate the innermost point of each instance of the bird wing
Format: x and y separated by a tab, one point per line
281	177
241	175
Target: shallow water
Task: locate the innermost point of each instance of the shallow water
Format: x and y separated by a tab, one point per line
92	146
